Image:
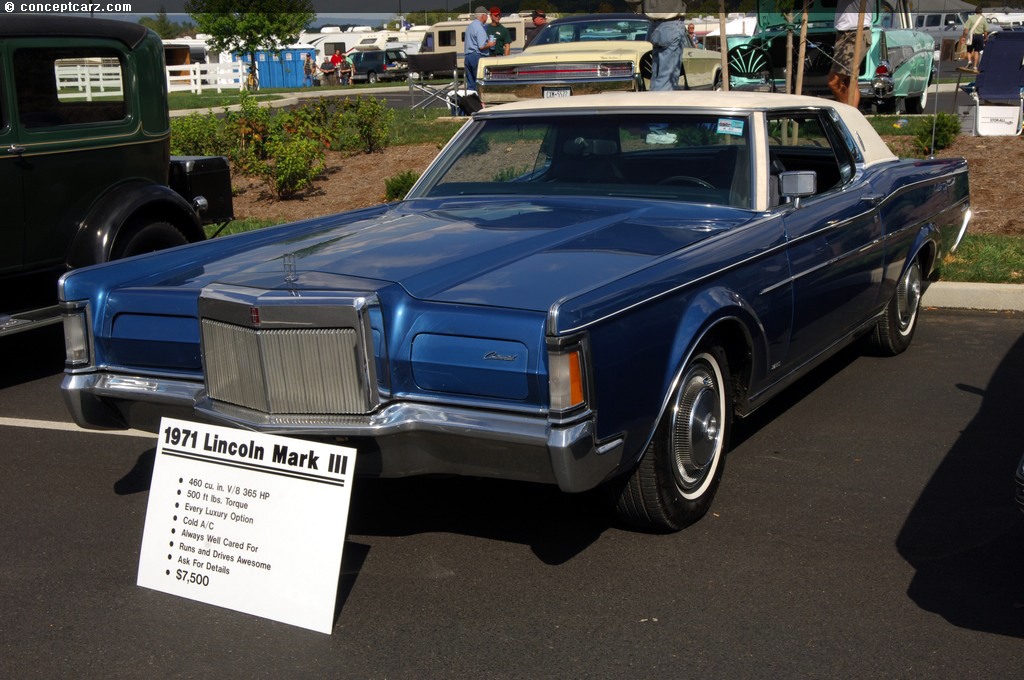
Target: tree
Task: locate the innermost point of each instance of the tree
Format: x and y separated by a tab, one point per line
164	27
240	26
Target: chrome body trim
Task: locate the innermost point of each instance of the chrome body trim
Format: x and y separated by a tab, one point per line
401	439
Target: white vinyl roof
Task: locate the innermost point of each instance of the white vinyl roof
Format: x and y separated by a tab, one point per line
871	144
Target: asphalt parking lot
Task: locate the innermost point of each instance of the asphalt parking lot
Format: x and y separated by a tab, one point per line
865	528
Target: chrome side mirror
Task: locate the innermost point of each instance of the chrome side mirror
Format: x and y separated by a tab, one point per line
797	184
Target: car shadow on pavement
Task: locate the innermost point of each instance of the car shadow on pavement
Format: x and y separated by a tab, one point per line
964	535
557	526
32	355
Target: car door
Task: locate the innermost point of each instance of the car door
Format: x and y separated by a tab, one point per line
80	134
12	200
834	238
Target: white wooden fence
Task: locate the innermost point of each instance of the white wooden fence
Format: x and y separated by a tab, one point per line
89	80
196	78
92	80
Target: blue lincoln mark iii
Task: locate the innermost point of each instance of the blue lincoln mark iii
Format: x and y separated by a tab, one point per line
582	292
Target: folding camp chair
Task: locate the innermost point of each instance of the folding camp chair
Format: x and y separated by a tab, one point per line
998	92
428	66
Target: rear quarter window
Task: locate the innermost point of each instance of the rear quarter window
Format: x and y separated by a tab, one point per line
69	86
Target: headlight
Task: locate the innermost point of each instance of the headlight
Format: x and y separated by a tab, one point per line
76	334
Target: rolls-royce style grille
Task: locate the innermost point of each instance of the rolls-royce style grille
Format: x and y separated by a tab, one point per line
559	71
285	371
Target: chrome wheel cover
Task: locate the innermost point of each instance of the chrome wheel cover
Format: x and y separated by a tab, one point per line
697	426
908	298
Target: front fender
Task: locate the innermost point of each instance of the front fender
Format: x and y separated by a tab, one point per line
721	314
121	206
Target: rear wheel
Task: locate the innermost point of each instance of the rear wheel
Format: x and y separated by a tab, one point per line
371	77
676	479
888	106
895	328
917	104
146	239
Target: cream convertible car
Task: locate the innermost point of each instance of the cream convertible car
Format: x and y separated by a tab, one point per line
587	55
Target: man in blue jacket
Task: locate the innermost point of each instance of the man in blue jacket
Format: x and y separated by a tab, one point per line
477	45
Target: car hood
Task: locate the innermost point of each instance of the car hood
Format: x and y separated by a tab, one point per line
510	253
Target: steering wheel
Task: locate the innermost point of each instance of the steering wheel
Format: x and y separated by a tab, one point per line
686	179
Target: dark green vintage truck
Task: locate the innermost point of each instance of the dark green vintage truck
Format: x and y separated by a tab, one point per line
86	174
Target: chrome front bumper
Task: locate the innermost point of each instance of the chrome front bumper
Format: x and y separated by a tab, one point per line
398	440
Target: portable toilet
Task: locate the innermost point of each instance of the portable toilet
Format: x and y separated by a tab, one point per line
282	68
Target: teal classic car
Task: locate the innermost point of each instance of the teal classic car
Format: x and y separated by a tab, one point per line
894	74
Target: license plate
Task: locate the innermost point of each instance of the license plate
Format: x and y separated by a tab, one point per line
552	92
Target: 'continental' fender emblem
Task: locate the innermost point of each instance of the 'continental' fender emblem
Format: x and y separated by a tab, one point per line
494	356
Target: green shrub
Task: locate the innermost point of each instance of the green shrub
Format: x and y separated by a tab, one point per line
371	119
199	135
397	186
249	131
292	165
947	127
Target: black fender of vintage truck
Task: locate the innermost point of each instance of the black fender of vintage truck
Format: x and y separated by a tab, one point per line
127	206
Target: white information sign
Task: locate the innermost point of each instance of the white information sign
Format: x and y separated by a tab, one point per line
248	521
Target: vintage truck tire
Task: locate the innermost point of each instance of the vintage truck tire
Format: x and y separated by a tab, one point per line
895	328
146	239
676	479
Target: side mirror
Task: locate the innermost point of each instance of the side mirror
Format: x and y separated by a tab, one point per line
797	184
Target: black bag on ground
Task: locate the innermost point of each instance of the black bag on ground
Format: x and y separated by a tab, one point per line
469	104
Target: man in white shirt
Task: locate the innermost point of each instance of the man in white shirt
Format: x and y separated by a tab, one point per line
844	71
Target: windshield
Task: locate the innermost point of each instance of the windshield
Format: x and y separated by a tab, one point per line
592	30
702	158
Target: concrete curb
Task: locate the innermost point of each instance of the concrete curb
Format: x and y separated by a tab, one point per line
960	295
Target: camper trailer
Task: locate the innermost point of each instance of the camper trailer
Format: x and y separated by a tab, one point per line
450	35
327	40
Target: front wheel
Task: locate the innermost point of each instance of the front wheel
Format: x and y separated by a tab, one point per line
676	479
895	328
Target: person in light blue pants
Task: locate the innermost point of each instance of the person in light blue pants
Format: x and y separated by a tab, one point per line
668	37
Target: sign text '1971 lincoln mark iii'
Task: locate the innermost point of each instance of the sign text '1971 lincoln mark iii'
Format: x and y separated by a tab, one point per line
580	291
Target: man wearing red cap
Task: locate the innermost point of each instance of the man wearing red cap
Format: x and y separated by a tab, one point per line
500	34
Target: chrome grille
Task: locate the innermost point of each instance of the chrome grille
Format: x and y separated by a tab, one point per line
285	371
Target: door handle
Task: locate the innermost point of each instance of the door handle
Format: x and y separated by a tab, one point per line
12	149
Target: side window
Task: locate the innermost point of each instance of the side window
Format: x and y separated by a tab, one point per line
446	38
933	20
69	86
808	142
